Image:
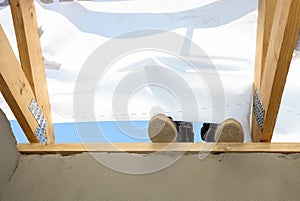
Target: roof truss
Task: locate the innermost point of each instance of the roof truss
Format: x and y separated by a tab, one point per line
23	85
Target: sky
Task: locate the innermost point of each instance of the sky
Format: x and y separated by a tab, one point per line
106	131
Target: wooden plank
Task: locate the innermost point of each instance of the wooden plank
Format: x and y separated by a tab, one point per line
25	23
282	43
156	147
266	10
16	89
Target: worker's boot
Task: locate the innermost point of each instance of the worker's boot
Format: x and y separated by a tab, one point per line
163	129
228	131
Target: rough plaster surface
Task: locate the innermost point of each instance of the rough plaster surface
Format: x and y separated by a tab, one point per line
9	154
217	177
231	176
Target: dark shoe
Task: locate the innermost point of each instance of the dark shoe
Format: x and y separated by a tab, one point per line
162	129
228	131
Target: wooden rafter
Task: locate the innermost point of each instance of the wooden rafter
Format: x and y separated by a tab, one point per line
275	67
16	89
266	9
26	29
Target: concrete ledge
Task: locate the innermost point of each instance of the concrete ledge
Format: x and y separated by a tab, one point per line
135	177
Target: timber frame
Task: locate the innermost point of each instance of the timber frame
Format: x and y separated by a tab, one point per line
24	85
186	148
25	82
277	33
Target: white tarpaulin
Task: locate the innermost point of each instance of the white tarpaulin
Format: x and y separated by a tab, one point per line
127	60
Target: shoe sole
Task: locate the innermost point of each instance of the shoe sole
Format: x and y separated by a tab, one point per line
162	129
229	131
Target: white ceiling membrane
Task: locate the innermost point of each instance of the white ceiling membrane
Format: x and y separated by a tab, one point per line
128	60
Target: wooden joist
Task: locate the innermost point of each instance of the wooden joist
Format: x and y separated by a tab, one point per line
26	29
283	38
274	66
266	9
161	147
16	89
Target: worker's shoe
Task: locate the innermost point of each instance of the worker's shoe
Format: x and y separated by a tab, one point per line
162	129
228	131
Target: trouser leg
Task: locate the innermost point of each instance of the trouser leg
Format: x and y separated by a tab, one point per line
208	131
185	131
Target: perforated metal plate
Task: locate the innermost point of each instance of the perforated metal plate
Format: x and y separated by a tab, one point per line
40	131
259	110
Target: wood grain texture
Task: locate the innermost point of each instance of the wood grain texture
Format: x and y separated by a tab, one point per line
284	34
266	10
160	147
16	89
26	29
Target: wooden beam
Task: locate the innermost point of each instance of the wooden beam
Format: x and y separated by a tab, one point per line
283	38
25	23
16	89
266	10
156	147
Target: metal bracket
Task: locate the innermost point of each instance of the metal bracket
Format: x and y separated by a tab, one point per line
258	110
40	131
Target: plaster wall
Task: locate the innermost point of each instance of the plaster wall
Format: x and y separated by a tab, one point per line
9	155
217	177
257	176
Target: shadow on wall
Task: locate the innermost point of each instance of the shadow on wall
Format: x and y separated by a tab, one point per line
113	24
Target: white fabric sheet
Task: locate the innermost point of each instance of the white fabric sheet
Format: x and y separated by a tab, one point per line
225	30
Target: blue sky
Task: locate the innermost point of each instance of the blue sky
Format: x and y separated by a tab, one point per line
107	131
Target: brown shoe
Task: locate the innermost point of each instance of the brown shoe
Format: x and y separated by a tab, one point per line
229	130
162	129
